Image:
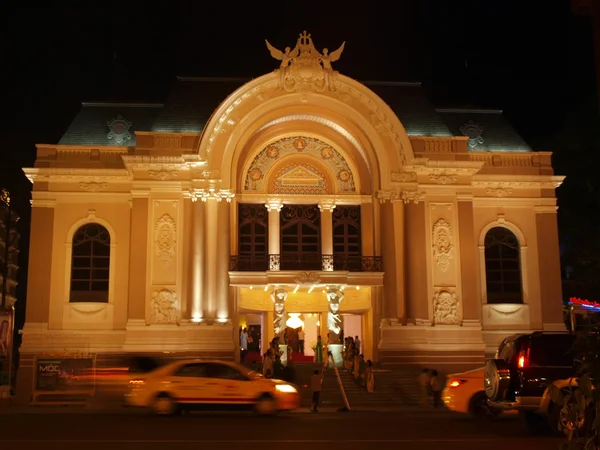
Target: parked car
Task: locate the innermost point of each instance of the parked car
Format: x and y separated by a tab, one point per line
523	371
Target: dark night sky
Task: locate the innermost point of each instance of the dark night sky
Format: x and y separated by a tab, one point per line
530	58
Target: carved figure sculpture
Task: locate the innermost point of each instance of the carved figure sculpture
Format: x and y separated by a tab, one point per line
164	307
334	319
445	308
304	68
279	296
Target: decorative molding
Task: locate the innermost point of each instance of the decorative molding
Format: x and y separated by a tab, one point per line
443	178
443	247
326	206
303	175
163	307
119	130
212	192
396	195
92	186
308	278
88	313
403	177
474	132
544	182
165	239
163	173
503	313
446	309
498	191
169	141
274	204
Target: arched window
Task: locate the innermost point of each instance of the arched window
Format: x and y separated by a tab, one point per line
90	264
503	266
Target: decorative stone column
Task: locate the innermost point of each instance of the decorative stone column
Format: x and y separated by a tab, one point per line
197	306
334	323
279	297
223	255
327	236
274	208
211	226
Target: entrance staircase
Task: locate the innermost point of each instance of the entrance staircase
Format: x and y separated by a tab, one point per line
395	388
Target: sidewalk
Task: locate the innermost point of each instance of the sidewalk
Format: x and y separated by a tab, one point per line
120	410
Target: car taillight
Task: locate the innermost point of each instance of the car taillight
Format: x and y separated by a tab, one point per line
456	383
523	360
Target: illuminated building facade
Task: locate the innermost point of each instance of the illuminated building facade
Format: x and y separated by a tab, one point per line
163	227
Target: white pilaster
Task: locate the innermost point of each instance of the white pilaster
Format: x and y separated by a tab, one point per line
274	208
327	235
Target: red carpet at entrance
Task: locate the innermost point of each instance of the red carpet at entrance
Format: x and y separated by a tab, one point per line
298	357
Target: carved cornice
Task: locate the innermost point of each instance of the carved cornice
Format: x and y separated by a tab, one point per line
93	186
519	182
397	195
443	178
211	193
403	177
77	175
498	191
149	162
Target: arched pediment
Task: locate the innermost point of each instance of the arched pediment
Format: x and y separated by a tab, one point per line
349	105
296	172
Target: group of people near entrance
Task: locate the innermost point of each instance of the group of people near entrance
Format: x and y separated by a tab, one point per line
431	387
354	362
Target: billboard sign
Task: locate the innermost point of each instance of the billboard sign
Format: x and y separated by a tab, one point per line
63	373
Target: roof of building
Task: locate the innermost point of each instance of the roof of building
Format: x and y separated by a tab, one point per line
95	123
192	101
487	129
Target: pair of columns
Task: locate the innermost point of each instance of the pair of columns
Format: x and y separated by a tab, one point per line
274	208
210	257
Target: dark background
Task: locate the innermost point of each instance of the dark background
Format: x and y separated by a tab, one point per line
533	59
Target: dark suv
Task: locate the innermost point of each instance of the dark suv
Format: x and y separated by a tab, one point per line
525	367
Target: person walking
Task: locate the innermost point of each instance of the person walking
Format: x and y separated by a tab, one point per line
436	389
316	382
301	341
425	387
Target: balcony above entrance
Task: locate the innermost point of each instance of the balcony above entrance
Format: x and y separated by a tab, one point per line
243	263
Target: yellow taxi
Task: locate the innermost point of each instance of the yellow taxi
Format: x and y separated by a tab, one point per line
465	393
195	384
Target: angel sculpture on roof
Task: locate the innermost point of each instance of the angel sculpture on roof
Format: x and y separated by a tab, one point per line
304	68
327	58
286	57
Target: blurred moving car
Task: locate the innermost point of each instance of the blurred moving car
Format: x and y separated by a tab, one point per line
196	384
465	393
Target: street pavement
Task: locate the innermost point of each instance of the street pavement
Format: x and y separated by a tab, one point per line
70	429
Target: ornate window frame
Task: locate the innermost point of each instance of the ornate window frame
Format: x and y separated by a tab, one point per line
90	218
503	223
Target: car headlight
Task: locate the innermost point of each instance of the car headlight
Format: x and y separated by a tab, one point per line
286	388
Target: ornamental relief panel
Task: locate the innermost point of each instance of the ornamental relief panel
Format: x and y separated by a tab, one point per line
164	243
313	148
165	239
164	307
446	308
444	248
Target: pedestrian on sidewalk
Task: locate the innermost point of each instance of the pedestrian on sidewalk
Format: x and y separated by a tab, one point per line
316	382
436	389
425	385
370	377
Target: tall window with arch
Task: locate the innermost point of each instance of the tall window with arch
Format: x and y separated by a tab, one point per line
90	264
503	266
